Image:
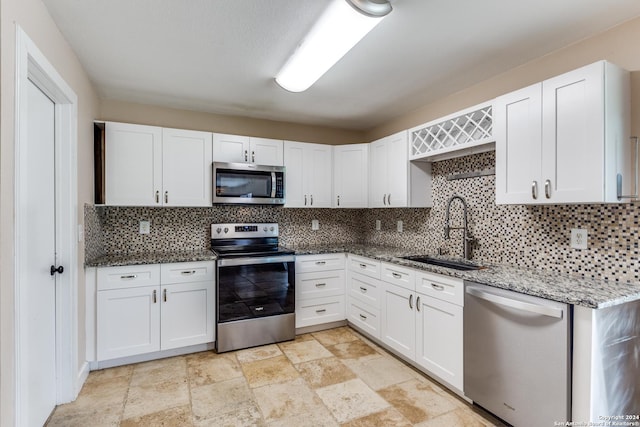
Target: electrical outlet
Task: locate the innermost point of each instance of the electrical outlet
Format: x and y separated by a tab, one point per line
579	238
145	227
315	224
378	225
399	226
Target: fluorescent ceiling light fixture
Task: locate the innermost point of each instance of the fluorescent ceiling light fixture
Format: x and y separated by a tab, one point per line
342	25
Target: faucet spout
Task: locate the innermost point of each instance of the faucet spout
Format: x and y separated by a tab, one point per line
466	238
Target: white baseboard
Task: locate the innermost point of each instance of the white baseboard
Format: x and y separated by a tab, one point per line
82	377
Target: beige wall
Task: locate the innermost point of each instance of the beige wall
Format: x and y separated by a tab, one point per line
618	45
34	19
118	111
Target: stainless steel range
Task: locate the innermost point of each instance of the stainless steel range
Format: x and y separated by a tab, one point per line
255	286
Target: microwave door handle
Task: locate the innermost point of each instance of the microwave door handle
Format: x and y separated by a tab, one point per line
273	185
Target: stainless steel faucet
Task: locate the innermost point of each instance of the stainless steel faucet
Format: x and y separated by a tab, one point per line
466	238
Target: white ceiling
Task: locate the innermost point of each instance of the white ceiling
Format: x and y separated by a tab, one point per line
221	56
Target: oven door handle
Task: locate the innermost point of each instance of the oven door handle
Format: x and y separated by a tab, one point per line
230	262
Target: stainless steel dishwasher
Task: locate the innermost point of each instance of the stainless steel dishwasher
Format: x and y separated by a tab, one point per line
517	355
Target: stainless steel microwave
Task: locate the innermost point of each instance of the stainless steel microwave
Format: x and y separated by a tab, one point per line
248	183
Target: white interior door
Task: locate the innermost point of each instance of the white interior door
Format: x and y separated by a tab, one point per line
38	292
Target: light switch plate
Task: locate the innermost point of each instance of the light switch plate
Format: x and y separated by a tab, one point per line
145	227
378	225
399	226
315	224
579	238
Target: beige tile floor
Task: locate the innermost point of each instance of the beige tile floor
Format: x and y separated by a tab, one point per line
329	378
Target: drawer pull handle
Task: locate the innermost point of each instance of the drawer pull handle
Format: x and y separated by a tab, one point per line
321	310
363	317
164	295
319	285
259	308
363	265
129	277
418	303
157	197
396	275
437	287
321	262
363	289
155	296
188	272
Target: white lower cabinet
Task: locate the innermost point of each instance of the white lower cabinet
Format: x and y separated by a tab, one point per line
148	308
415	314
439	339
128	322
319	289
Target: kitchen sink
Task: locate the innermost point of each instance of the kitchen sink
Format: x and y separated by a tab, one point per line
456	265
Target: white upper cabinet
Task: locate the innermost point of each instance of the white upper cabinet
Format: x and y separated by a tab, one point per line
151	166
186	168
395	182
566	139
308	175
133	165
350	175
245	149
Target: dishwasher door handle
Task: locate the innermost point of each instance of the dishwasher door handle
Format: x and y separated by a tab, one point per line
519	305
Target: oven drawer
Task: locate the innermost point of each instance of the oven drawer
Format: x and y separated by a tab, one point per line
365	289
441	287
364	317
129	276
320	284
366	266
186	272
319	310
322	262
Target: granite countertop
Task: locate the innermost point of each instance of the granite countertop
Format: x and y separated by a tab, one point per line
137	258
553	286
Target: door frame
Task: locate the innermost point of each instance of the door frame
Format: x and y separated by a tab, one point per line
32	65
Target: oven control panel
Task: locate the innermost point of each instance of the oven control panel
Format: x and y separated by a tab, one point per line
244	230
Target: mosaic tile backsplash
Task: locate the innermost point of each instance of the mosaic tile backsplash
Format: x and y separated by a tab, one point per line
527	236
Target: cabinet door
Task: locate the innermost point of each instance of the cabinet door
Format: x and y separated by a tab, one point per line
573	135
187	316
397	167
378	166
133	165
230	148
439	339
351	175
518	130
186	167
296	175
319	168
128	322
398	319
265	151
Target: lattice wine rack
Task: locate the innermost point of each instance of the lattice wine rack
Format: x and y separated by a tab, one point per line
465	129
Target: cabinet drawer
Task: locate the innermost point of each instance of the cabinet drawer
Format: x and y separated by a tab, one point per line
128	276
319	284
442	287
366	266
364	317
184	272
319	310
322	262
365	289
400	276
